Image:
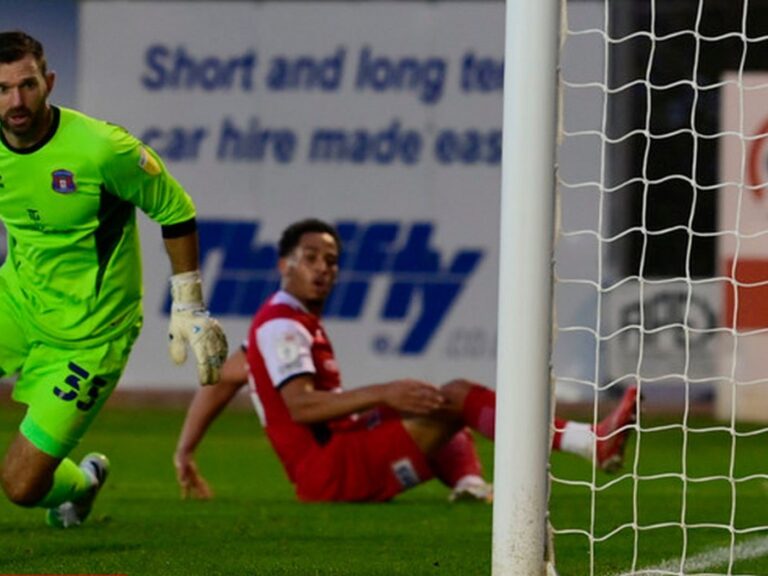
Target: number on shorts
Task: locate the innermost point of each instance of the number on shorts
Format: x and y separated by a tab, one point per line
78	380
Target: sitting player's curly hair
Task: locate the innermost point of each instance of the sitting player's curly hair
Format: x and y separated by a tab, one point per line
292	235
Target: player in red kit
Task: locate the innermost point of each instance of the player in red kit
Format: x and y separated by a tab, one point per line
368	443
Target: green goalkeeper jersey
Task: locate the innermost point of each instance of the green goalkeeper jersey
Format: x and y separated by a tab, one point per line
68	204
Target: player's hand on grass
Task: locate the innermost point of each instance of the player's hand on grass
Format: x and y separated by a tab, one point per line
191	482
192	325
413	396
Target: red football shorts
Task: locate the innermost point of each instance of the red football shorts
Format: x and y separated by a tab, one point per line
372	462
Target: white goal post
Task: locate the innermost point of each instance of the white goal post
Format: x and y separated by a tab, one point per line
666	285
526	236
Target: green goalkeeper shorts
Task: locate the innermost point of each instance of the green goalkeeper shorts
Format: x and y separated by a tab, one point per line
64	388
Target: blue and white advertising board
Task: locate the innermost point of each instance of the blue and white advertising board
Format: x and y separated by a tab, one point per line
382	117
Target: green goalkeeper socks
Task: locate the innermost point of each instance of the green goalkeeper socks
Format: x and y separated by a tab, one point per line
70	482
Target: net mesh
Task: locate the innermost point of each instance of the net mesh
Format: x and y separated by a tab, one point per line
661	280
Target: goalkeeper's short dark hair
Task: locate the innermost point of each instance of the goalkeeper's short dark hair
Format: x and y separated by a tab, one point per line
292	235
15	44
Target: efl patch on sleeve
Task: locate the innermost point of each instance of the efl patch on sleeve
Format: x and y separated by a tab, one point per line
148	163
288	351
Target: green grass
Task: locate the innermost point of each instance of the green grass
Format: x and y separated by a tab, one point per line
255	526
663	500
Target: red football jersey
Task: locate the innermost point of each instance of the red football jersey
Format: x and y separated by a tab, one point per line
361	457
286	340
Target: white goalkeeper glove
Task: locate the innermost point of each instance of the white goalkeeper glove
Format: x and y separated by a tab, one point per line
192	324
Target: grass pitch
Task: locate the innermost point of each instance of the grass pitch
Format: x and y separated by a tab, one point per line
709	501
254	526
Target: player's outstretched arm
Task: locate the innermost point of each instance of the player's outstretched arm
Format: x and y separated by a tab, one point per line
205	407
308	405
191	324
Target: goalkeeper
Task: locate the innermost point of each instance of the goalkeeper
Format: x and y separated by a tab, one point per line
368	443
70	287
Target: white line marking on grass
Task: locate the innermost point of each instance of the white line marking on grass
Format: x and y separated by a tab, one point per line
744	551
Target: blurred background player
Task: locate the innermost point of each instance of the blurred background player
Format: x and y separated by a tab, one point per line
369	443
70	288
456	464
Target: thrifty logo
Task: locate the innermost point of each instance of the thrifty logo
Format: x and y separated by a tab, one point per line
422	284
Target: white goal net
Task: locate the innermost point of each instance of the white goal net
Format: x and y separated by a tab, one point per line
663	282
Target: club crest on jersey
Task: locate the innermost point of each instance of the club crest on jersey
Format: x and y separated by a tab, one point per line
63	182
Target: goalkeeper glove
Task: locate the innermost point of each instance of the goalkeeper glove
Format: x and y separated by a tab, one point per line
192	324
